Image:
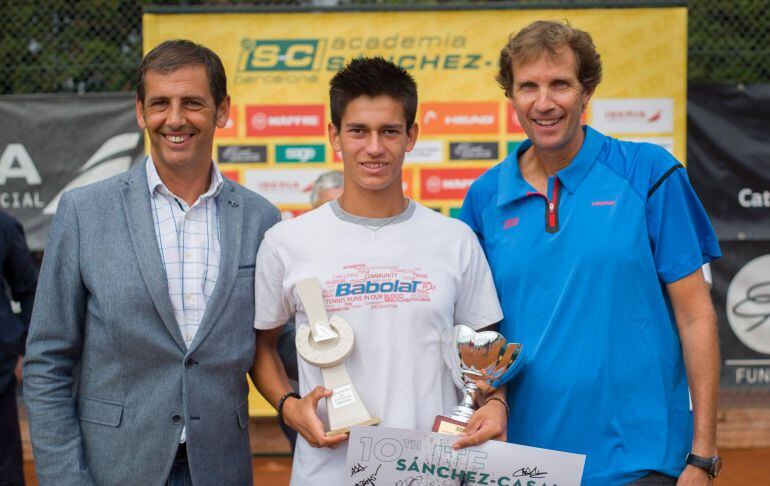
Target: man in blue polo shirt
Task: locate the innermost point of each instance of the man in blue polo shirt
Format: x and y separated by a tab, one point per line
596	247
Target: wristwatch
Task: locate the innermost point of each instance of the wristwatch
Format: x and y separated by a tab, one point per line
712	465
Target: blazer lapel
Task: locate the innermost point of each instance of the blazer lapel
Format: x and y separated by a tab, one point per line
230	211
136	202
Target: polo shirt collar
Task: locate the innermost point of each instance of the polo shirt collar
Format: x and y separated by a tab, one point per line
512	186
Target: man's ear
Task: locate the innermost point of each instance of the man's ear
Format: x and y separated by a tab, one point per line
334	137
223	112
140	114
412	136
586	97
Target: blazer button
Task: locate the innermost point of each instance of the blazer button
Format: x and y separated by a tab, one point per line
176	419
188	363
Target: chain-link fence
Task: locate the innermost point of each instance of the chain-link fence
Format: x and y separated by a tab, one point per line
95	45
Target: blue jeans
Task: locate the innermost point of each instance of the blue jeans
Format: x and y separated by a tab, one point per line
180	473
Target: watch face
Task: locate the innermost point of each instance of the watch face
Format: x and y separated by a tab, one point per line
716	467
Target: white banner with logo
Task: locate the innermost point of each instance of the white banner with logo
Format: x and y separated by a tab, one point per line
53	143
381	455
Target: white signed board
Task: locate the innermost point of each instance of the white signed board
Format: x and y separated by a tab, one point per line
379	456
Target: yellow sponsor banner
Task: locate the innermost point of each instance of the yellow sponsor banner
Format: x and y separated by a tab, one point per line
279	66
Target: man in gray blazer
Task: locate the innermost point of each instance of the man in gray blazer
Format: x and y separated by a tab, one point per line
142	331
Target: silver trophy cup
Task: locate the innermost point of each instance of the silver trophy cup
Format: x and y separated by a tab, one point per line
475	359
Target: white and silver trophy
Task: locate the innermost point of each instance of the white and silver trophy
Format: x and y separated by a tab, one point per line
326	342
475	358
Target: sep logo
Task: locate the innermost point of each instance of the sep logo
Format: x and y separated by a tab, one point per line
279	55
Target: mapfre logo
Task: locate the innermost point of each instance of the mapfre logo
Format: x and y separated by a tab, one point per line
287	120
447	183
453	118
633	115
259	55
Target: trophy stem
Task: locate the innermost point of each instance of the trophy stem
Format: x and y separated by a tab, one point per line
465	409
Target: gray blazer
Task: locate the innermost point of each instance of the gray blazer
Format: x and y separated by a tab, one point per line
108	381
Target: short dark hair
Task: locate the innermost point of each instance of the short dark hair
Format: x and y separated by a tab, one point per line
547	36
171	55
372	76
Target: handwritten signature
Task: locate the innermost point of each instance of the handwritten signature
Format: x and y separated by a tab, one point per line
752	305
529	472
357	469
371	480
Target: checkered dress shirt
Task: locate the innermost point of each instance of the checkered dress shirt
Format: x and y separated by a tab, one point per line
188	237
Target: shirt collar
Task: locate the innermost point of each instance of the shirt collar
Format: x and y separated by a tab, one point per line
512	186
156	185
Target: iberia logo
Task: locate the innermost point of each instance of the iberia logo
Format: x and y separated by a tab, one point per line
287	120
447	183
452	118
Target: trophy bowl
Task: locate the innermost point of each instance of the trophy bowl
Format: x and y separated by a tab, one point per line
479	362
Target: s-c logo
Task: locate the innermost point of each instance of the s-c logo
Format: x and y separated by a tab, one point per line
279	55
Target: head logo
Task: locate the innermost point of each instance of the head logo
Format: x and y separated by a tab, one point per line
748	304
459	118
259	55
510	222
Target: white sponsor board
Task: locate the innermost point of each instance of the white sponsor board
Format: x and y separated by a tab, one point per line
633	115
665	142
380	455
283	186
748	304
426	152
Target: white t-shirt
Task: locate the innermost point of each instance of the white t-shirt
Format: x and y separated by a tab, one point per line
399	287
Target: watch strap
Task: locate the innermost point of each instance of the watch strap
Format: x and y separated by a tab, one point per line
705	463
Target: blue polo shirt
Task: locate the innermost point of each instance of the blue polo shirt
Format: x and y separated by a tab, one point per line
581	273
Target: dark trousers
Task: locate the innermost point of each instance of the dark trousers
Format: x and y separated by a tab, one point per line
654	479
11	463
180	470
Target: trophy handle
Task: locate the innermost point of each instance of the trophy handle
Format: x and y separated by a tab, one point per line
519	359
310	293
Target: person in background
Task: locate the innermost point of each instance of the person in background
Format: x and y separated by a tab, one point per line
596	247
19	279
327	187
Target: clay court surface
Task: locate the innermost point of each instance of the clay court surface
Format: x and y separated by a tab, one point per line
744	436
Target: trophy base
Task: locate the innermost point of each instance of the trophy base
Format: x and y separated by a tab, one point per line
346	430
447	425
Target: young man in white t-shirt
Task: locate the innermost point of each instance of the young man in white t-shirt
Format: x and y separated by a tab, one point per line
398	272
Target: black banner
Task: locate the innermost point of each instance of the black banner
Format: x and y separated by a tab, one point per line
51	143
728	158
